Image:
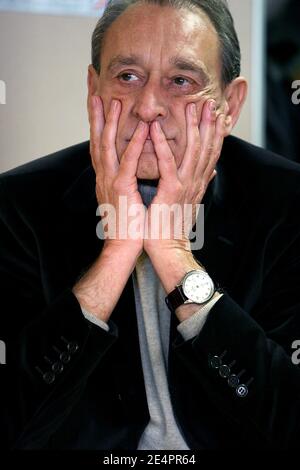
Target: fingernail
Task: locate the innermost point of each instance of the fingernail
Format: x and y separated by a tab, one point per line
141	125
212	106
193	109
157	126
115	104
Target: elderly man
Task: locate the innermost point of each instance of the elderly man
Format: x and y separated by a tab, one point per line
140	342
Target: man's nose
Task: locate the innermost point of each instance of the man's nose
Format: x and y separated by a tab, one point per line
150	103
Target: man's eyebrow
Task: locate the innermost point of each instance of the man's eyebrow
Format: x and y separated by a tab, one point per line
180	63
191	65
123	60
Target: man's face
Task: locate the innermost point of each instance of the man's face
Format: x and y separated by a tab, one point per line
155	61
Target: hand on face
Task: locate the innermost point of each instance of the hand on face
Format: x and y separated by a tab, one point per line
187	184
184	185
115	180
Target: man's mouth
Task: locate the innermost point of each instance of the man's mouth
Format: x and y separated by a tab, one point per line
148	138
148	145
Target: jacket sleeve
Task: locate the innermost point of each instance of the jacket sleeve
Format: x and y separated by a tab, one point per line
51	347
243	356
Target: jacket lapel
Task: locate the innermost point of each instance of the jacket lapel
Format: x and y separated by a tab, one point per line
223	224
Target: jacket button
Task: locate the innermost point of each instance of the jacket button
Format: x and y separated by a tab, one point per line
233	381
215	362
49	377
224	371
242	391
65	357
72	347
57	367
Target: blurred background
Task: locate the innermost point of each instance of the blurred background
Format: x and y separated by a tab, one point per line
45	52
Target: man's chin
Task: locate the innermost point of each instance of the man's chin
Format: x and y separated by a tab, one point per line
148	167
144	175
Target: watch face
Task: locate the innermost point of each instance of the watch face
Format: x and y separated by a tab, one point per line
198	287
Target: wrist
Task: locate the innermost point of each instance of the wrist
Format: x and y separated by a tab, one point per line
156	247
100	288
185	311
126	249
172	264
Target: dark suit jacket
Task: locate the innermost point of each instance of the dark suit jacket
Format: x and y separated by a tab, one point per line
252	249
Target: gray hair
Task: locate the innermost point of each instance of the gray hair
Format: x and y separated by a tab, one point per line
217	11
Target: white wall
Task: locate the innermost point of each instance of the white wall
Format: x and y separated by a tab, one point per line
249	16
43	62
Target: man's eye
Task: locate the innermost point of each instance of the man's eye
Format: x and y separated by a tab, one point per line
182	81
126	77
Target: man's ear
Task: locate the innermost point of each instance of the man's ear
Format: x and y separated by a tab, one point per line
235	95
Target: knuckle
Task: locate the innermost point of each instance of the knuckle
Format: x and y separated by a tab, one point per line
210	149
104	147
197	148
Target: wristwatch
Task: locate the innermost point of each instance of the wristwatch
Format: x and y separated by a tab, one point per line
196	287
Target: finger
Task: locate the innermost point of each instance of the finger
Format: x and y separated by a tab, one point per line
130	158
166	161
89	106
97	123
220	133
108	152
193	147
207	131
